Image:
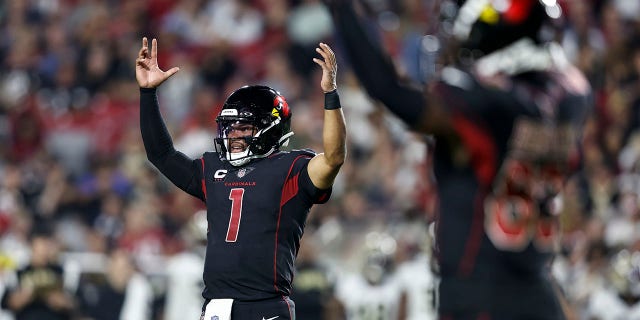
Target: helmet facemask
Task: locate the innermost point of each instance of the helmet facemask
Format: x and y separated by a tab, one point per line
225	142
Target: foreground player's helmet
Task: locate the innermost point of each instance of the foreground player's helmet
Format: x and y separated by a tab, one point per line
266	110
489	25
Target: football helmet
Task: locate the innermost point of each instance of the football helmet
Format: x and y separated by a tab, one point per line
489	25
261	107
624	273
380	248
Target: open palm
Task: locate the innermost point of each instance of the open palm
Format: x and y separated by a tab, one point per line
329	67
148	74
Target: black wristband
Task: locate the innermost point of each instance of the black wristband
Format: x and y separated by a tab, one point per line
147	90
332	100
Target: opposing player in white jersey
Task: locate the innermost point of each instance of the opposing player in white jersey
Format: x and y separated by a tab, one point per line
418	282
184	272
619	299
375	292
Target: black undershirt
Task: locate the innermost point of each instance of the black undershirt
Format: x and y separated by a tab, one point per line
175	165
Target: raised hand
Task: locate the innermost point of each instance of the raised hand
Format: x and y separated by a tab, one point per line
329	67
148	74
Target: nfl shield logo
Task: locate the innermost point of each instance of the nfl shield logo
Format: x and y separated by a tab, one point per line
215	318
241	173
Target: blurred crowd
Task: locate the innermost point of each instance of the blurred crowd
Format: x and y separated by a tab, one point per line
127	244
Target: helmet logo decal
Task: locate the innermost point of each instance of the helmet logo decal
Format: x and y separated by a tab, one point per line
518	11
284	106
489	15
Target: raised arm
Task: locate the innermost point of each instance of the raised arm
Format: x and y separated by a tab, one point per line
185	173
374	68
324	167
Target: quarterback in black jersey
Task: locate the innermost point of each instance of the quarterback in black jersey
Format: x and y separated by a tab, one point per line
507	126
257	196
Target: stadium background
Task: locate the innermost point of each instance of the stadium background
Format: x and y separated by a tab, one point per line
71	156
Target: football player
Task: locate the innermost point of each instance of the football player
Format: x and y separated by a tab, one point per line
506	112
257	195
374	292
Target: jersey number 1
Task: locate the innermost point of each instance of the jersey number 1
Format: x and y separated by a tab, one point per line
235	196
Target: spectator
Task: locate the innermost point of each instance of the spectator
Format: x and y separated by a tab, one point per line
39	292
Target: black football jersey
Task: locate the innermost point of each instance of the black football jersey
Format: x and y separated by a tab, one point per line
256	212
516	148
256	215
498	183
